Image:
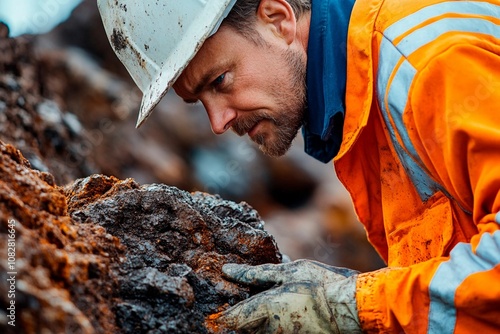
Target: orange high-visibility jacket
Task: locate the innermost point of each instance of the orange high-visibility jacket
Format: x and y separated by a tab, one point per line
421	158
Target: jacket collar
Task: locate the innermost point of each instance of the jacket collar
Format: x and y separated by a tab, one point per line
326	77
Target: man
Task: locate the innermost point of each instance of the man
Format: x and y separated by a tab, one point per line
405	97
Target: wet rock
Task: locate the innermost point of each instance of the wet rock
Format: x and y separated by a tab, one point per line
104	255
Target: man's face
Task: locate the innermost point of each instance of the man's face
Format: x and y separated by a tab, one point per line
253	88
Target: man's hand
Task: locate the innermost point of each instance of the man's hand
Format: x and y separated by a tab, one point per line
305	297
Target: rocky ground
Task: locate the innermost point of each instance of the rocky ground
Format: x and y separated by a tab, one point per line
103	255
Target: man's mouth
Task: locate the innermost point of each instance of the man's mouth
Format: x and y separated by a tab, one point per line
249	127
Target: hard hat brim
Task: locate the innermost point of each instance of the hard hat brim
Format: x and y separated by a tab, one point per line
157	90
155	40
174	66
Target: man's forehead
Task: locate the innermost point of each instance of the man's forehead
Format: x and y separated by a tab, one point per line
213	59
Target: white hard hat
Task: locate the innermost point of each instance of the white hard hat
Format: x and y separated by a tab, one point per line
156	39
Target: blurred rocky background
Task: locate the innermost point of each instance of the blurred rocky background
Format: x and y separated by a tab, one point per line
68	104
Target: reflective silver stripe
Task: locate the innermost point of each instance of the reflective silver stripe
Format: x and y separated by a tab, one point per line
427	34
424	14
451	274
397	97
497	217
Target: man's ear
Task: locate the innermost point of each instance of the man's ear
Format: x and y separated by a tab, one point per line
279	16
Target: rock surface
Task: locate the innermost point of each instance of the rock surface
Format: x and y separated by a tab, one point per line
104	255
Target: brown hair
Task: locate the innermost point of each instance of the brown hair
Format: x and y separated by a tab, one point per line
242	15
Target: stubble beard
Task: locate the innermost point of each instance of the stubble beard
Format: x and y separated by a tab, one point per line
290	93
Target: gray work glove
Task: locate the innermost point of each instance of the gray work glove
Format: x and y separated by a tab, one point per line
305	297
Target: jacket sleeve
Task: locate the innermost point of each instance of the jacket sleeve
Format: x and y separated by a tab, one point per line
454	119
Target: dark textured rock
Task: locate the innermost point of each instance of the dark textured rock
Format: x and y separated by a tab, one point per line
104	255
162	225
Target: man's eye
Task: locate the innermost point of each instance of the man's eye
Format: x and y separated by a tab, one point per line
219	80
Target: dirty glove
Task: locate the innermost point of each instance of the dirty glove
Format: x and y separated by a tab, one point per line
304	297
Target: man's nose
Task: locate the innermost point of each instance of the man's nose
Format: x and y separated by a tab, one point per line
221	117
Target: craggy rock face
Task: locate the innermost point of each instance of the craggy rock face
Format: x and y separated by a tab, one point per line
106	256
169	232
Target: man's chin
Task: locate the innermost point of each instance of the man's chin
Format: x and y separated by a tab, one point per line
274	145
274	151
273	154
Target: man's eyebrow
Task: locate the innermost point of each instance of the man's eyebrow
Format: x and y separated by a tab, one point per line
205	80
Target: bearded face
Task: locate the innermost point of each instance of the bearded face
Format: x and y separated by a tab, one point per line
254	88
